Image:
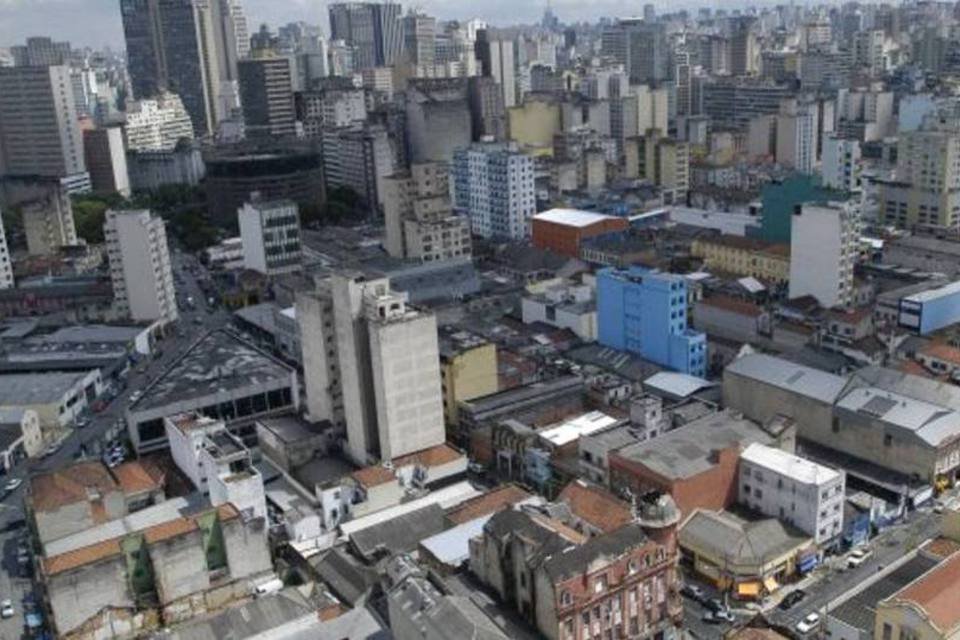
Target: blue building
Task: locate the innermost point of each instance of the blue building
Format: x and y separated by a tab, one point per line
645	312
931	310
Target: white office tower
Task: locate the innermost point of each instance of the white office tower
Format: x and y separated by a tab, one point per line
494	187
270	231
48	223
6	267
136	243
841	163
157	124
797	135
371	366
824	239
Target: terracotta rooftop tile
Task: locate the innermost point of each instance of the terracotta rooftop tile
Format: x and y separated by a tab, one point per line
941	351
82	556
502	497
69	485
596	505
728	303
133	477
373	476
170	529
432	457
942	547
937	593
227	511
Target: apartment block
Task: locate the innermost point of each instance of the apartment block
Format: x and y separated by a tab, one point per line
795	490
366	350
841	163
645	312
468	370
494	188
106	158
270	232
266	95
157	124
420	223
48	223
824	241
358	157
136	242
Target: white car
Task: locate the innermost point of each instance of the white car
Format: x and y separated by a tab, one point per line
858	556
12	485
135	396
6	609
809	623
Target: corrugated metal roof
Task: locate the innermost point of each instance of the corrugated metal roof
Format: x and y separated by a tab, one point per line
812	383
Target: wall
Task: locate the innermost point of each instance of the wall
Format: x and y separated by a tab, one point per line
761	402
81	593
180	566
534	124
565	239
248	554
468	375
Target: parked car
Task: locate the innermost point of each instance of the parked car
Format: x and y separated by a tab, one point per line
135	396
12	485
82	423
791	599
724	615
693	592
809	623
714	604
709	617
6	609
858	556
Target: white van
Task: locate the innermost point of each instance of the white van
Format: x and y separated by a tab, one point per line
268	587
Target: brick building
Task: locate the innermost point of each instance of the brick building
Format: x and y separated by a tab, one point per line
562	230
618	584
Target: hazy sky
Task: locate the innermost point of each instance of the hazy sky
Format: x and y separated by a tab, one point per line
97	22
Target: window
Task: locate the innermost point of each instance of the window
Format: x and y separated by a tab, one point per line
566	599
887	440
600	584
887	631
758	493
632	567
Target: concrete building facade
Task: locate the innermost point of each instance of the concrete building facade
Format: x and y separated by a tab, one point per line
823	250
48	223
270	233
140	265
494	188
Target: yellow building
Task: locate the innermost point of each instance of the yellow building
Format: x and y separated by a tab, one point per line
534	123
744	257
926	609
468	370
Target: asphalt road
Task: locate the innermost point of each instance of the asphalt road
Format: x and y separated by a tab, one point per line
103	427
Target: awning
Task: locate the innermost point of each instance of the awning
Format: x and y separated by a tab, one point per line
748	589
770	583
807	564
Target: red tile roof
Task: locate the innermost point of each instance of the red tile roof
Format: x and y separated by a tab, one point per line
170	529
728	303
432	457
70	485
133	478
82	556
373	476
502	497
936	593
596	505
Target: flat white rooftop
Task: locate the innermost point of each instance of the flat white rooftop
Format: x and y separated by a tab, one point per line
572	217
787	464
566	432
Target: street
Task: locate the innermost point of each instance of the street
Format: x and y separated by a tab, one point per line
103	427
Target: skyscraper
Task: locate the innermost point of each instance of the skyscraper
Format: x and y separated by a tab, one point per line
39	132
497	61
640	46
266	93
186	46
40	52
419	38
374	30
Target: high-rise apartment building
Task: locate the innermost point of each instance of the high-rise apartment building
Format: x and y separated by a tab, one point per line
136	242
841	163
330	109
270	232
373	29
48	222
420	223
865	113
665	162
926	192
744	48
438	118
494	188
266	95
645	312
797	135
39	132
488	116
241	32
420	39
496	58
157	124
371	366
6	266
640	46
824	240
106	158
358	157
188	47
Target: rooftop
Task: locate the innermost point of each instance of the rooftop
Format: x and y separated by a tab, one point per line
932	294
596	506
291	429
435	456
69	485
571	430
502	497
777	372
932	423
733	305
688	451
219	362
678	385
783	462
399	534
749	244
572	217
935	594
724	534
606	547
23	389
